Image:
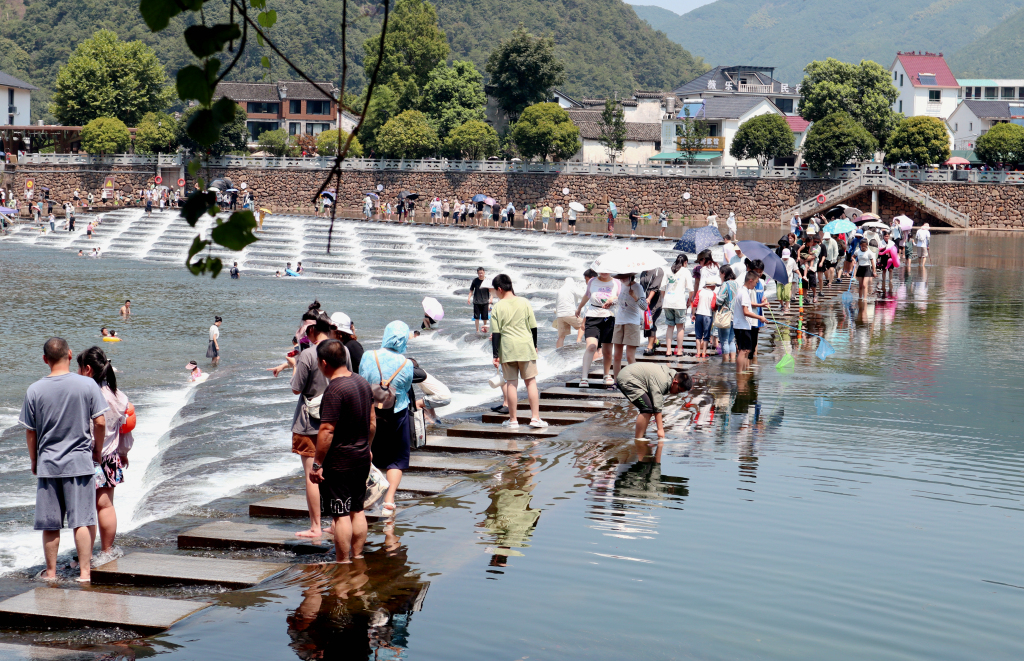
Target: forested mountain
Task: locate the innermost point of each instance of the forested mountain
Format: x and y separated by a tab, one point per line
604	45
788	34
997	54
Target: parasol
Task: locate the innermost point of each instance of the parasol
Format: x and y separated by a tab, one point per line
697	239
480	197
905	222
631	259
576	206
432	308
866	217
774	267
839	226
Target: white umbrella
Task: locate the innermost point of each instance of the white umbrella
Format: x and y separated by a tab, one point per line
576	206
905	223
631	259
432	308
874	224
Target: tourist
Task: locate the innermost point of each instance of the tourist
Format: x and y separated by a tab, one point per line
194	373
600	299
387	368
663	220
410	211
559	212
345	331
809	276
471	210
400	210
341	461
629	319
81	253
678	287
545	216
126	309
309	384
703	309
784	292
566	321
651	280
93	363
888	260
480	298
645	386
149	204
277	274
435	394
52	220
613	211
529	217
65	430
367	207
234	272
514	345
387	211
504	217
865	269
730	222
897	233
213	350
435	210
572	221
725	296
829	258
713	220
634	218
742	316
299	269
923	239
88	230
497	213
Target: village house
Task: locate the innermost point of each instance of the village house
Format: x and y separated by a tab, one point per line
973	119
16	96
295	106
925	84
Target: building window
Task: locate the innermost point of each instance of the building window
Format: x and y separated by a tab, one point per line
977	92
901	80
970	92
294	128
901	105
262	107
1009	92
894	76
314	128
956	127
971	127
257	128
1020	93
960	93
785	105
295	107
935	95
712	130
318	107
990	92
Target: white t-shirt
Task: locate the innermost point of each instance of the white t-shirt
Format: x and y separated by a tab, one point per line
730	251
558	212
677	288
863	257
601	292
791	268
631	311
742	300
705	299
922	238
572	214
214	332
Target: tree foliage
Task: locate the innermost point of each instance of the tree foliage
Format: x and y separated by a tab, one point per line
920	140
327	144
105	135
763	138
107	77
453	96
836	139
156	134
523	69
613	128
864	91
691	135
278	143
545	129
413	47
473	140
232	136
1002	144
409	135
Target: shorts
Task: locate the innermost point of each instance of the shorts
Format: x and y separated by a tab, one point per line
675	317
445	214
211	350
558	220
754	331
481	312
702	327
546	220
628	335
526	369
343	491
304	446
600	328
664	223
112	469
744	339
811	280
784	292
864	271
632	224
572	222
637	397
568	324
826	265
65	498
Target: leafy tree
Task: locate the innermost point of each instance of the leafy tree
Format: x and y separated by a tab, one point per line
453	96
763	138
691	135
327	144
413	47
277	142
409	135
836	139
1002	144
545	129
864	91
921	140
613	128
107	77
474	140
156	134
382	108
231	137
105	135
523	69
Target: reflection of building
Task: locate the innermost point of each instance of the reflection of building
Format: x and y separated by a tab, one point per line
295	106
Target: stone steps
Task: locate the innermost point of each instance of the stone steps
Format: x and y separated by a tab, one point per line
234	535
456	444
164	569
474	430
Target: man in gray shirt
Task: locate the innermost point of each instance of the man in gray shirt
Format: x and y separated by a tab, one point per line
309	384
64	427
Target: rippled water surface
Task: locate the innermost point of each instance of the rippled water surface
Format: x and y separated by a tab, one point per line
868	506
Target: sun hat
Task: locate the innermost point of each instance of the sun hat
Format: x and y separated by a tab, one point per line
342	322
826	235
786	253
191	365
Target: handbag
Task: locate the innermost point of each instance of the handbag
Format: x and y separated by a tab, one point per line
384	392
723	317
419	429
648	320
376	487
312	405
497	380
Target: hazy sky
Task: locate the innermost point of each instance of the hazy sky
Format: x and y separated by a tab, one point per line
678	6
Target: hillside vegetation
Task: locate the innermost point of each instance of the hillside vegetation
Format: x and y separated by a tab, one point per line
998	54
788	34
605	46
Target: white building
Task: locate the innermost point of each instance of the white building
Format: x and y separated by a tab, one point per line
643	139
723	115
973	119
926	85
991	89
16	97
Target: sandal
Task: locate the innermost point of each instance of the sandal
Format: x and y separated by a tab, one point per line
609	380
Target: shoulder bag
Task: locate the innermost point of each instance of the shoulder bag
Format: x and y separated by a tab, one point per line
384	392
376	487
723	318
419	429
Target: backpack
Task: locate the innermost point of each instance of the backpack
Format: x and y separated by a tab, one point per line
384	392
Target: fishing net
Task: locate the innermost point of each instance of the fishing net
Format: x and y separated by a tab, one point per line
824	349
787	362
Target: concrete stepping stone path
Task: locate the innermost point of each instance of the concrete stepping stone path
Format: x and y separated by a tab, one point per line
165	569
234	535
453	444
474	430
523	416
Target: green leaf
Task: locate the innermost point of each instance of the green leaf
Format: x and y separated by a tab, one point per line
214	266
204	41
236	233
224	110
195	206
198	245
203	128
193	84
259	39
193	167
267	19
212	67
258	4
265	62
158	13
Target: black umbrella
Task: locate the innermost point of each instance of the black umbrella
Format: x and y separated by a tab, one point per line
221	184
773	264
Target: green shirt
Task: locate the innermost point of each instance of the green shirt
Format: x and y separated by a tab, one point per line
513	318
652	379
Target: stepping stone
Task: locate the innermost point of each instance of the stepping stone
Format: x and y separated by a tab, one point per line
680	360
474	430
48	608
233	535
553	419
427	461
581	393
163	569
455	444
577	405
40	653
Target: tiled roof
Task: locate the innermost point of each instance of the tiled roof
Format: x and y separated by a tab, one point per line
589	123
8	80
640	94
917	63
720	78
991	109
592	102
729	107
798	124
300	89
629	103
248	91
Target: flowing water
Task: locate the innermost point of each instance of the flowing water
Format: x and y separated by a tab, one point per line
868	506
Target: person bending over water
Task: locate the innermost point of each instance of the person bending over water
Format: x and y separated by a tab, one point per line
645	386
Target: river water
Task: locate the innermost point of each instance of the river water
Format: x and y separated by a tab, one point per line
867	506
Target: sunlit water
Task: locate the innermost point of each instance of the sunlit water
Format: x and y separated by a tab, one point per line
864	507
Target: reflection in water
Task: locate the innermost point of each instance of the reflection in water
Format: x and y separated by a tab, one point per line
509	519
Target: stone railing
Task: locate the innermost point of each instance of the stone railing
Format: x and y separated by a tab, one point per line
159	160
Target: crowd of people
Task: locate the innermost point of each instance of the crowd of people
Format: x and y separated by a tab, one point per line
487	212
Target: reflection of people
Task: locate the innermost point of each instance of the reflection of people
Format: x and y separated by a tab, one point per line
645	386
511	521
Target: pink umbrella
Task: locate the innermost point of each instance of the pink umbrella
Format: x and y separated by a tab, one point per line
432	308
905	223
957	160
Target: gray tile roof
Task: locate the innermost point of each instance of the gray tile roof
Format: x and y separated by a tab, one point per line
589	123
991	109
700	83
248	91
300	89
641	94
729	107
7	80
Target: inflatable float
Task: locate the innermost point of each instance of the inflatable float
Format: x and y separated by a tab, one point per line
111	339
292	273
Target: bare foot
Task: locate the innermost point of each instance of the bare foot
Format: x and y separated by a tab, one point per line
312	533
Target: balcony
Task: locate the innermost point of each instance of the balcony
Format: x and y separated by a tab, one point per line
756	89
933	108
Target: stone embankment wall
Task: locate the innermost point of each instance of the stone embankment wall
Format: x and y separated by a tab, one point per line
752	200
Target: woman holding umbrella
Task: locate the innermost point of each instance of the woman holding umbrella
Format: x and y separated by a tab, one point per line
613	211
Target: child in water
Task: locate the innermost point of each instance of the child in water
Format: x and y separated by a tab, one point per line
194	373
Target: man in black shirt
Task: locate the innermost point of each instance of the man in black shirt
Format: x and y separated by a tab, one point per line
342	461
480	298
234	271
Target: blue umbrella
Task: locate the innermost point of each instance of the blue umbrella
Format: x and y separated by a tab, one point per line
839	226
697	239
479	197
773	264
